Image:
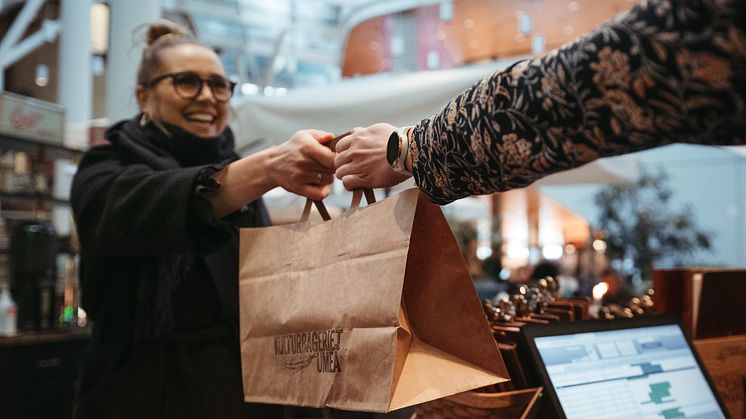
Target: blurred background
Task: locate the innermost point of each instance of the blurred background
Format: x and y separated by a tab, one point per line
68	71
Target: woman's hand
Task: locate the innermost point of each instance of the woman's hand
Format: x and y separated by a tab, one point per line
303	165
361	158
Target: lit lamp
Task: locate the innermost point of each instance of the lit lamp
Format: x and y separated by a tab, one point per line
99	28
42	75
99	37
599	290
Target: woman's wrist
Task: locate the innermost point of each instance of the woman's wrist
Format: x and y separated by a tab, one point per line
242	181
268	161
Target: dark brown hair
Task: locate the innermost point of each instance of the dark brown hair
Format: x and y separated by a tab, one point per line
160	35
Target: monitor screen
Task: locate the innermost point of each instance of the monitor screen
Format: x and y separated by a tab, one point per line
639	372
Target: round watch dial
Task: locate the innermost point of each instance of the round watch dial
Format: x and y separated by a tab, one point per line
392	148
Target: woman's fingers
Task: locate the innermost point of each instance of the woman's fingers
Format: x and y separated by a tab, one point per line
317	177
313	192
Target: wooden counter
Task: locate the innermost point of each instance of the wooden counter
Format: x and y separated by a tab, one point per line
39	373
725	361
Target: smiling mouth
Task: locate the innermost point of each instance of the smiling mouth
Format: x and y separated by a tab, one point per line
202	118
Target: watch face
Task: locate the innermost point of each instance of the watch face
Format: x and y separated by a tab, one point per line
392	148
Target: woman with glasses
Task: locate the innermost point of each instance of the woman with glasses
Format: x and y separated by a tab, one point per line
157	212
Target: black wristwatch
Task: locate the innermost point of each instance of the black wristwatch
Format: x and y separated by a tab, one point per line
397	150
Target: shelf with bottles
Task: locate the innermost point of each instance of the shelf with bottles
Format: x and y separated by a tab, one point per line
41	272
35	147
33	196
36	176
35	180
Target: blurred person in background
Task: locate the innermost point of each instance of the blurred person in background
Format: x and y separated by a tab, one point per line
519	277
158	211
544	269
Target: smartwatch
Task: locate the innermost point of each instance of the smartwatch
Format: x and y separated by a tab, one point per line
397	150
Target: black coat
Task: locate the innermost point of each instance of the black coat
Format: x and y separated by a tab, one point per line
159	277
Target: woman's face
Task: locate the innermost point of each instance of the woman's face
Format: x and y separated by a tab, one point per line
203	115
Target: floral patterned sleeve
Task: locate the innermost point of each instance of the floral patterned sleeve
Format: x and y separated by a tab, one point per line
666	71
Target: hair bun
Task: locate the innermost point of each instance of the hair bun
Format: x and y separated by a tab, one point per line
162	27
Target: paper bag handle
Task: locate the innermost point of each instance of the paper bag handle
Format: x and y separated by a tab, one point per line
319	206
356	194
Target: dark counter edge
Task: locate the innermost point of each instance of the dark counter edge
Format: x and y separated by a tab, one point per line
33	338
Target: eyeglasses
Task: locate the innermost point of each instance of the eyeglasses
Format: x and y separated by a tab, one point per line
188	85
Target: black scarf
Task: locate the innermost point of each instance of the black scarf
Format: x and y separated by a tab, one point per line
149	144
162	147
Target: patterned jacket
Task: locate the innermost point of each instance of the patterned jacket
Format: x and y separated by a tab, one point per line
666	71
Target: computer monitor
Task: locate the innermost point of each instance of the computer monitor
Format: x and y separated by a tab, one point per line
625	368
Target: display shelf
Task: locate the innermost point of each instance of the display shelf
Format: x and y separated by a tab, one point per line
21	143
34	196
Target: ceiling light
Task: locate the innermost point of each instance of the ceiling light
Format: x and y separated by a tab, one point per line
249	89
433	59
99	27
446	11
42	75
516	251
483	252
572	6
537	44
469	23
552	251
525	24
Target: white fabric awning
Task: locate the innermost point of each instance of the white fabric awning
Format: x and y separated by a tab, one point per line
399	99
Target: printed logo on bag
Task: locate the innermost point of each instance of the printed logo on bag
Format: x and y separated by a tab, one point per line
298	350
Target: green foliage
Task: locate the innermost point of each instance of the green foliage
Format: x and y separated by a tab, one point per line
638	223
464	231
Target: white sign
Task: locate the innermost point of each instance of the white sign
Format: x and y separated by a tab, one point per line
26	117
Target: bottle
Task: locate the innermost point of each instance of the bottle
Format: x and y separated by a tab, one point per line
6	171
8	314
22	180
5	282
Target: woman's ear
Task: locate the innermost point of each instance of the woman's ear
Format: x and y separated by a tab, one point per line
141	94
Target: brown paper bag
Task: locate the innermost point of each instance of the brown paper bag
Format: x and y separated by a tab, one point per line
372	311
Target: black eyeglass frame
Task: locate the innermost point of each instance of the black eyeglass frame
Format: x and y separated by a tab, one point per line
157	79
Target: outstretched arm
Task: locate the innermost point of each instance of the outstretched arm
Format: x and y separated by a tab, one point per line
666	71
